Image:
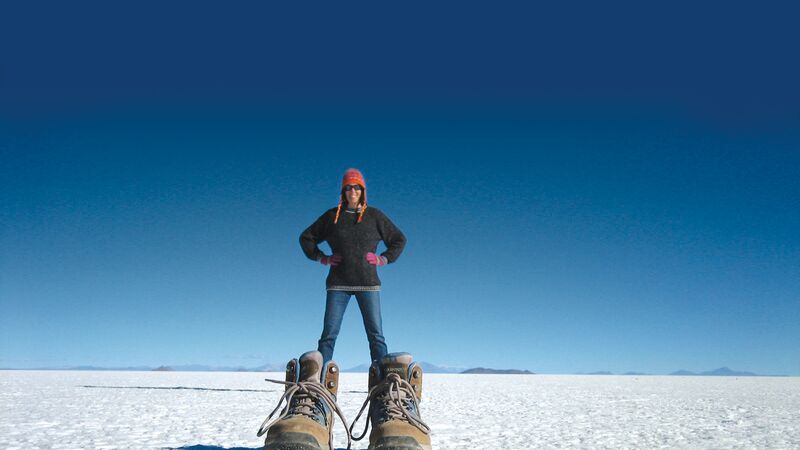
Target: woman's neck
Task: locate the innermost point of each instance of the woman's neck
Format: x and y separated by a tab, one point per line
352	205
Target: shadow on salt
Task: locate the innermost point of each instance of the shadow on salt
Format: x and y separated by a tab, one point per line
181	388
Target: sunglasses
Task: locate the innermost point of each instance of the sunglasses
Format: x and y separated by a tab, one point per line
350	187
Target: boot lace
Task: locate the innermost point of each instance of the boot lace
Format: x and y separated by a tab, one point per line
395	396
304	398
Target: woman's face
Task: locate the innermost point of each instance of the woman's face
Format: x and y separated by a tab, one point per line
352	193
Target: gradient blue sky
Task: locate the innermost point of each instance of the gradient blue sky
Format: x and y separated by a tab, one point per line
601	195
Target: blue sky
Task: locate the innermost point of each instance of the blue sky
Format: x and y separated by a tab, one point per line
633	206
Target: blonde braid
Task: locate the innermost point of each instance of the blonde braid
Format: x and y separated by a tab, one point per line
338	210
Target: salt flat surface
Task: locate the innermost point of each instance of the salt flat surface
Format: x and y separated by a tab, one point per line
64	409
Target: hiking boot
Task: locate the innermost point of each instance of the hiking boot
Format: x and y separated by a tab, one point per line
395	391
306	422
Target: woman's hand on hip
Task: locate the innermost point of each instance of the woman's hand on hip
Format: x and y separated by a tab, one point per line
332	260
376	260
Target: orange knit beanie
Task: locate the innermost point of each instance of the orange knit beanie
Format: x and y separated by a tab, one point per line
353	176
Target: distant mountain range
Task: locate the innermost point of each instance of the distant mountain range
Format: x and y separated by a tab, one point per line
363	368
183	368
426	367
485	371
202	368
605	372
721	372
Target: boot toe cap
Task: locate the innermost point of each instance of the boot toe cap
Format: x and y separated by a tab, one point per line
398	443
294	441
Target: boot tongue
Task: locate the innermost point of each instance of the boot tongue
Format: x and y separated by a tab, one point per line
396	363
310	366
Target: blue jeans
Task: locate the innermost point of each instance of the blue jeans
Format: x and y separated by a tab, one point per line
370	304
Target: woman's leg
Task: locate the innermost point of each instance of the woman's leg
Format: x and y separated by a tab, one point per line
370	304
335	305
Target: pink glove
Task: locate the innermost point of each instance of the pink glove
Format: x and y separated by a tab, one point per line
376	260
332	260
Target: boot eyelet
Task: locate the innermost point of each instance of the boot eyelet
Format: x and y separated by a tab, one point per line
331	384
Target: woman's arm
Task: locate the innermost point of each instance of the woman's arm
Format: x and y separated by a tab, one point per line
394	239
312	236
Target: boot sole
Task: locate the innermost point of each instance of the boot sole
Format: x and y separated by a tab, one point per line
398	443
294	441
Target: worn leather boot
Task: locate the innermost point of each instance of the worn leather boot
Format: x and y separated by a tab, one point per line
306	422
395	391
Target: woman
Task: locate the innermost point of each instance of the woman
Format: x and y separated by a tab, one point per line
353	231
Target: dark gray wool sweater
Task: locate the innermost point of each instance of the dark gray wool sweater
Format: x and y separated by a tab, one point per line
353	241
